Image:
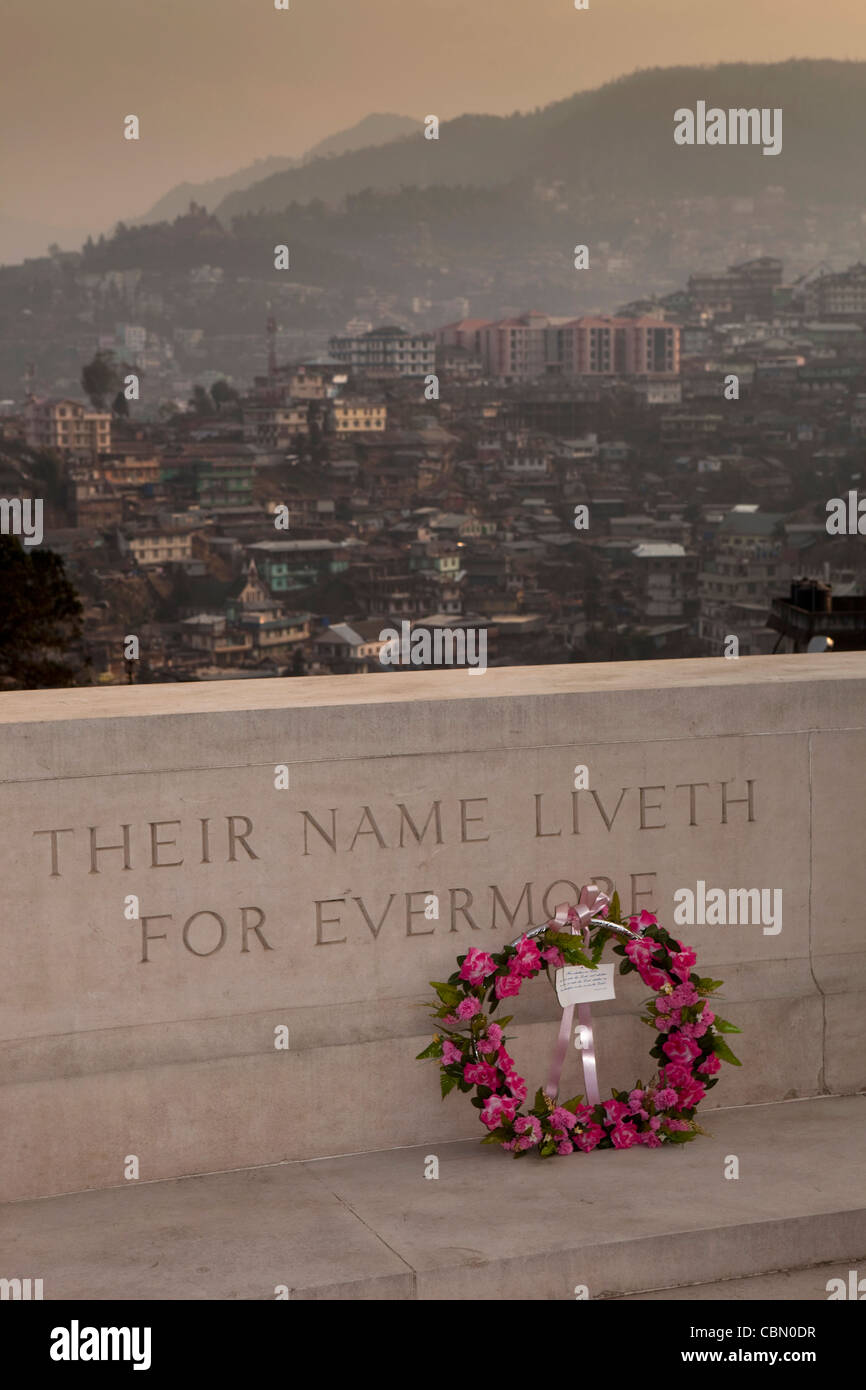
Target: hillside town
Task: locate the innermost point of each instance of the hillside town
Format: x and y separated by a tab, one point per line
649	483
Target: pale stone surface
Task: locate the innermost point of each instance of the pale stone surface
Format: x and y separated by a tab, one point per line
489	1227
792	1286
305	907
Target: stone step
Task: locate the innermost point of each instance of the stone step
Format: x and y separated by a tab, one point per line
371	1226
785	1286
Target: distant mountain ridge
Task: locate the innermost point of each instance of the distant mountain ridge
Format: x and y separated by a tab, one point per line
619	136
375	129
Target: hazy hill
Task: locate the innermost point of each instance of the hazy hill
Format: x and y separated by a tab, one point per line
617	137
372	130
376	129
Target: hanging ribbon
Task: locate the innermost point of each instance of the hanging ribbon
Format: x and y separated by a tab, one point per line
593	902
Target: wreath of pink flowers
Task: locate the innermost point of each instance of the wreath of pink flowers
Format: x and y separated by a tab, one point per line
689	1047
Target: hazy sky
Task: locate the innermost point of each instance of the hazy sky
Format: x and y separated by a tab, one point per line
218	83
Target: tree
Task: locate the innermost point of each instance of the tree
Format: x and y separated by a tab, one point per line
120	405
222	393
100	378
201	402
40	618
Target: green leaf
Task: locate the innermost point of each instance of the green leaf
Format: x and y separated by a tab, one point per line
615	913
706	985
449	994
682	1136
572	1104
723	1026
434	1049
721	1049
447	1083
495	1136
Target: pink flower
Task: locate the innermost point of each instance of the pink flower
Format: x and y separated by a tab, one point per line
664	1005
682	962
624	1136
528	1126
650	1138
498	1110
507	985
468	1008
710	1065
683	996
589	1138
635	1100
665	1098
565	1146
646	919
529	956
451	1052
476	966
509	1144
691	1094
655	1120
451	1020
678	1124
677	1074
680	1048
491	1040
613	1110
583	1114
516	1085
481	1074
653	978
553	956
503	1061
640	952
562	1118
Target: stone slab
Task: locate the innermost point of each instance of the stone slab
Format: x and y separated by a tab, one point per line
372	1226
263	908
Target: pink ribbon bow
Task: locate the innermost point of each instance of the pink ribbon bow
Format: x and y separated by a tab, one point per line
593	903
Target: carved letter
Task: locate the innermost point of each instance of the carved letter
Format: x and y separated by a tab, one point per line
467	820
375	929
329	839
407	819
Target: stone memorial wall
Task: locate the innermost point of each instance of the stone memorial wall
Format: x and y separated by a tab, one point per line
223	902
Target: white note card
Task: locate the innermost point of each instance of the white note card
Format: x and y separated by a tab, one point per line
576	984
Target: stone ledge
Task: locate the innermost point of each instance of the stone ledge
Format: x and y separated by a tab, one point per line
371	1227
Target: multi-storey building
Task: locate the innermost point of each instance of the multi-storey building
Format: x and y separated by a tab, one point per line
149	546
297	564
358	415
275	426
536	346
838	296
132	470
69	426
738	580
386	352
465	334
665	574
741	291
